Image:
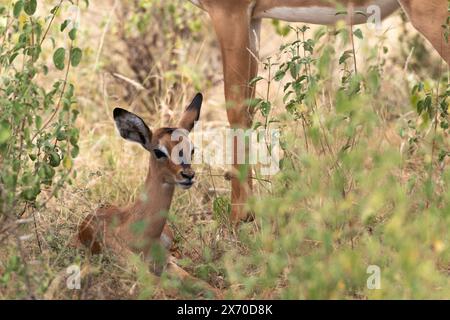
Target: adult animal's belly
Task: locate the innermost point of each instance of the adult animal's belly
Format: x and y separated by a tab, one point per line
320	14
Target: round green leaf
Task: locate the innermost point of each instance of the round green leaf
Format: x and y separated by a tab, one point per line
73	34
30	7
59	57
75	56
61	135
75	152
18	6
54	159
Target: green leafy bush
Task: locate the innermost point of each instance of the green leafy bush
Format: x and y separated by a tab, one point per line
38	137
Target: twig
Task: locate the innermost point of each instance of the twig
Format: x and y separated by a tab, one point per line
102	39
36	232
51	22
58	106
352	37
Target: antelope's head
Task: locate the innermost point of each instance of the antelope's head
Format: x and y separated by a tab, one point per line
170	149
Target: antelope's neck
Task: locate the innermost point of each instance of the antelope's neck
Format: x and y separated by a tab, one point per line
154	203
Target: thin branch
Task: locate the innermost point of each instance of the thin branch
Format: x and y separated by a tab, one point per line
51	22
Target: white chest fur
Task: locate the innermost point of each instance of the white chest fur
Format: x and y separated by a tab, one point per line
325	15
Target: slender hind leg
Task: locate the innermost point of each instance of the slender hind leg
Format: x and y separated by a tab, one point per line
238	35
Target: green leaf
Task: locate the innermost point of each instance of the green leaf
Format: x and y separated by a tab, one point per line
75	56
265	108
73	34
59	57
5	132
75	152
358	33
30	7
13	57
30	194
253	103
294	69
64	25
279	75
257	125
255	80
46	172
54	159
347	54
18	8
61	135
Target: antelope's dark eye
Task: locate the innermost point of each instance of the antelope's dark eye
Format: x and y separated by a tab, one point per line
159	154
181	153
192	152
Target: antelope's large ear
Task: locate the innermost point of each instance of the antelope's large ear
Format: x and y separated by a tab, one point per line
192	113
132	128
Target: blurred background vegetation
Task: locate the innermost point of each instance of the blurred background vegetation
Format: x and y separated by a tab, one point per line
365	171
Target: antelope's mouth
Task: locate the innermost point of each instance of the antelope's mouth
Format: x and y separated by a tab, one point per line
186	184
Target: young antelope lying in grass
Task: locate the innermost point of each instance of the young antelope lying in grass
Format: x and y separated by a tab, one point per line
141	228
